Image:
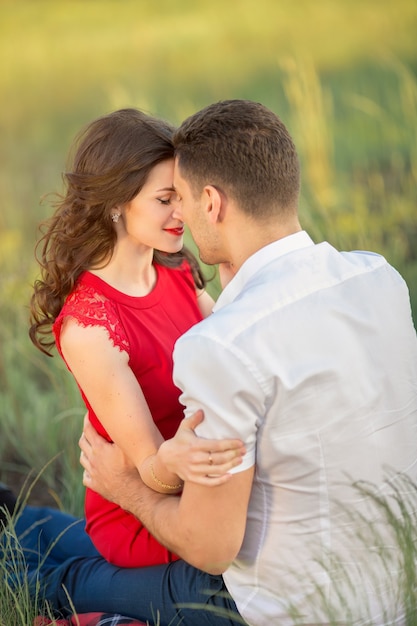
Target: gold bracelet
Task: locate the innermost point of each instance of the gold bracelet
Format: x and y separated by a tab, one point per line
160	483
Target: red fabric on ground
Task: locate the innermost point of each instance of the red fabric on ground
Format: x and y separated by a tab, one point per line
89	619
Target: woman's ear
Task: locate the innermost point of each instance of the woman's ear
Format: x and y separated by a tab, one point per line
214	203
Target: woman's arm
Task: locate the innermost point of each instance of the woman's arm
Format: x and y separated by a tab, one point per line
205	303
104	374
226	273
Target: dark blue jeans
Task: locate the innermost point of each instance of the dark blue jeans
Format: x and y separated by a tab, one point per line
60	558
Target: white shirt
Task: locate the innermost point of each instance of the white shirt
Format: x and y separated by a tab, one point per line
311	358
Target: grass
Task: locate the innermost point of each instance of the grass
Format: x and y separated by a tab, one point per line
382	538
379	550
342	75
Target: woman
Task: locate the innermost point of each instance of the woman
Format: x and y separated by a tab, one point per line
117	289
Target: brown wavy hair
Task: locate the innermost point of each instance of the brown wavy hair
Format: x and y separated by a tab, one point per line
113	156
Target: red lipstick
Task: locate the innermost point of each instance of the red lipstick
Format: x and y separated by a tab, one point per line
178	232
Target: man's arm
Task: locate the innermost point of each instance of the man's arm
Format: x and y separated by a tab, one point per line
214	519
205	526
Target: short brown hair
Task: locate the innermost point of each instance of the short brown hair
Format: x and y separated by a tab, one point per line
246	150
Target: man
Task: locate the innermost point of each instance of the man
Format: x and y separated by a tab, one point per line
310	358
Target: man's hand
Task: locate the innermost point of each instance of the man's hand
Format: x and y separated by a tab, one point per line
107	470
205	526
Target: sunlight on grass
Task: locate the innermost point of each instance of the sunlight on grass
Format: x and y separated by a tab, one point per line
342	75
358	150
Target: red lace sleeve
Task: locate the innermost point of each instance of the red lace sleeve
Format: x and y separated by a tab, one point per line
91	308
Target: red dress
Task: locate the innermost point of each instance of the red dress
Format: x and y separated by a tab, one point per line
147	329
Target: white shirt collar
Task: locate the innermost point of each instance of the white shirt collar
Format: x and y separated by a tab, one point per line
258	260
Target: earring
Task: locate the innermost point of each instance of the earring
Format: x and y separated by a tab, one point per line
115	217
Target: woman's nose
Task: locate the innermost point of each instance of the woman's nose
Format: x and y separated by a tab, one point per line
176	210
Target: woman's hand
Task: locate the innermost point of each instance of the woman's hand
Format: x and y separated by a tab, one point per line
226	273
202	461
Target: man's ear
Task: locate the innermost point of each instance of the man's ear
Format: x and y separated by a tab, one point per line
214	203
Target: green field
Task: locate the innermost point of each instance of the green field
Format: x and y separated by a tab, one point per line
341	74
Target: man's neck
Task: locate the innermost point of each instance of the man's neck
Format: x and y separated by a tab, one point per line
247	238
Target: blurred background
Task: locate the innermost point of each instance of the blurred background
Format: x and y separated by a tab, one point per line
342	74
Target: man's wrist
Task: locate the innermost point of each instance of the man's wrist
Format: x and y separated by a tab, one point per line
139	499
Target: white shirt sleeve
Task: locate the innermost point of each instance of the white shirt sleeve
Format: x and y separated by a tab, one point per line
223	383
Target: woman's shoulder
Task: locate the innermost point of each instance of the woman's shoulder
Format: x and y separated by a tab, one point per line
87	298
89	306
180	273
